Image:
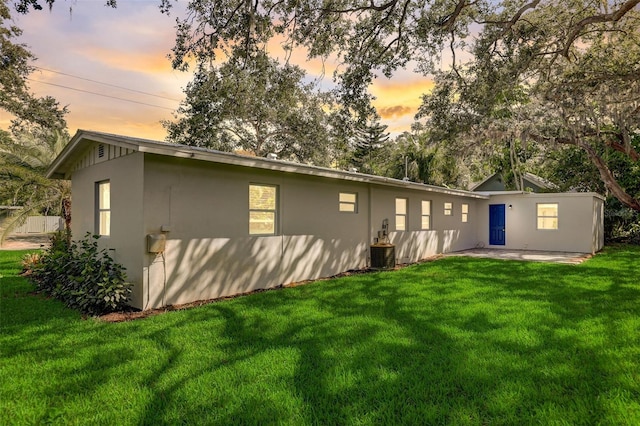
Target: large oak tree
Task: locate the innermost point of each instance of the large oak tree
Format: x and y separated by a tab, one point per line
257	106
539	80
560	72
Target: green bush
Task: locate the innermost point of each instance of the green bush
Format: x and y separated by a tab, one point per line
621	224
82	276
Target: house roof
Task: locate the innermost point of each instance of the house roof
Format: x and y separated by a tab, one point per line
535	179
540	181
476	185
82	141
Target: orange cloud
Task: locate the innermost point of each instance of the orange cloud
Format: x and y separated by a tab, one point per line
402	89
141	123
5	120
398	100
395	111
149	62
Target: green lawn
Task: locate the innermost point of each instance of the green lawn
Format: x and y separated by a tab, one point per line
456	341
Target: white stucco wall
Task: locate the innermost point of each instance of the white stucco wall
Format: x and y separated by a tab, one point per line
126	242
447	233
578	225
209	252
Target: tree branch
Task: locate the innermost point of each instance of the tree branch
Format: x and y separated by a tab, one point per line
605	173
509	24
371	6
597	19
621	147
450	20
608	178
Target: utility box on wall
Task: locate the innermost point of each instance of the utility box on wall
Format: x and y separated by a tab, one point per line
156	243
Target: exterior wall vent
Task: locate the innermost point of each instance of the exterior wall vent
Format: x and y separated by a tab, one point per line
100	151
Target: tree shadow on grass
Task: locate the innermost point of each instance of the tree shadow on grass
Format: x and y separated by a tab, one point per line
454	341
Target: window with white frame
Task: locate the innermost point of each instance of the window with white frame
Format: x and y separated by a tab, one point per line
103	208
348	202
465	213
448	209
426	214
263	212
547	214
401	214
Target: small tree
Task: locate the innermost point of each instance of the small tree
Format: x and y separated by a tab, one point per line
369	139
38	134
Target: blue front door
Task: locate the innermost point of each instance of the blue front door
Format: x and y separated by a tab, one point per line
496	225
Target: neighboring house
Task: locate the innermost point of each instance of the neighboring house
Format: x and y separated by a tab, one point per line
192	224
531	183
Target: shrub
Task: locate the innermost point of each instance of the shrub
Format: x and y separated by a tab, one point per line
621	224
82	276
29	262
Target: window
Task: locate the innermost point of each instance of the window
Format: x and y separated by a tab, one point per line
448	209
103	211
401	214
348	202
547	216
262	209
465	213
426	214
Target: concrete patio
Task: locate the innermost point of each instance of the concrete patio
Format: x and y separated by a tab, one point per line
526	255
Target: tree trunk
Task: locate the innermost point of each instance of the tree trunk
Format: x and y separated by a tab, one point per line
515	166
66	213
608	178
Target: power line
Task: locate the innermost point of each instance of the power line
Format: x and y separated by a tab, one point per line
100	94
106	84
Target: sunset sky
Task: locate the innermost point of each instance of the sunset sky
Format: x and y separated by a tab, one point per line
84	53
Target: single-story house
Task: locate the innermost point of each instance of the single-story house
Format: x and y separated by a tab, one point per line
530	182
190	223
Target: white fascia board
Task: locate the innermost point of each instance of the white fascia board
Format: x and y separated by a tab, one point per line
545	194
490	193
57	168
568	194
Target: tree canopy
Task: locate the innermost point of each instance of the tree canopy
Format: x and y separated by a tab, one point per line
258	107
15	96
37	134
538	71
532	71
550	83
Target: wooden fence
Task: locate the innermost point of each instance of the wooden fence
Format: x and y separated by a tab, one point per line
40	225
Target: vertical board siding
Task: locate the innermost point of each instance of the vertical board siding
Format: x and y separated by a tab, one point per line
92	156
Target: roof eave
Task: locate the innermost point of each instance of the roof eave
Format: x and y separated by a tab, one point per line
59	169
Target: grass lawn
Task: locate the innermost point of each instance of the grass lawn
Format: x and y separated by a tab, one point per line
456	341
